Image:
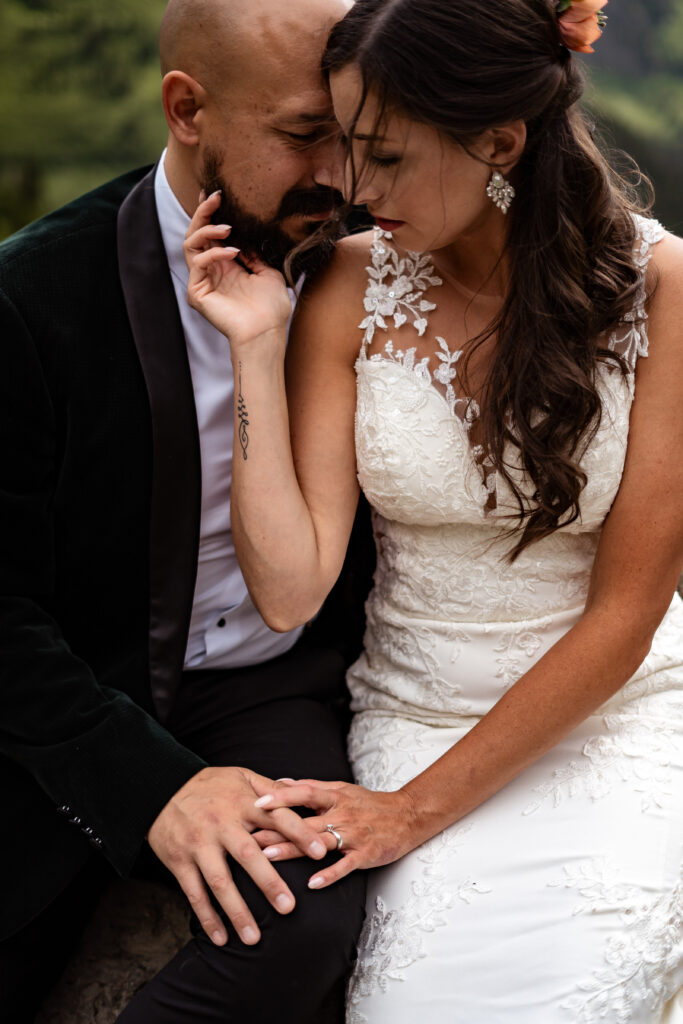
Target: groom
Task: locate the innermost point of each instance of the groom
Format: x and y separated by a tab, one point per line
141	695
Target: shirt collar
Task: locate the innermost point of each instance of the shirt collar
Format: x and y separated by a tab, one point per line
173	222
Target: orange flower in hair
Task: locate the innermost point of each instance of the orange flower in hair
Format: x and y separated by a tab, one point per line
580	22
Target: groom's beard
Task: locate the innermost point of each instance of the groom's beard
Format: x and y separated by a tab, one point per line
266	239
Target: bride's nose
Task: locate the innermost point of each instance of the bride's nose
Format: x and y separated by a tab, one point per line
332	170
339	175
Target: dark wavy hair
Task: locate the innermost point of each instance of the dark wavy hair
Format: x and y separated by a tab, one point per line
464	66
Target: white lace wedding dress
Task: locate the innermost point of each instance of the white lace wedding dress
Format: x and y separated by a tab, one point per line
561	898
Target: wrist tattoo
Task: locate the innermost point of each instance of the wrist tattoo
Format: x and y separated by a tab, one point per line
243	417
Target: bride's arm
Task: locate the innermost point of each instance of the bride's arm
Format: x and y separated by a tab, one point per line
293	502
636	569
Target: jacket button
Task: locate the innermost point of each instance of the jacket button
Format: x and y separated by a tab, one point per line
96	842
65	810
75	820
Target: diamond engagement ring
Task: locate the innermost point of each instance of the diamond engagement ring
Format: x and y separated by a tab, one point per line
332	829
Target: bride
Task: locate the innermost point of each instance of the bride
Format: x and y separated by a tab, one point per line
512	407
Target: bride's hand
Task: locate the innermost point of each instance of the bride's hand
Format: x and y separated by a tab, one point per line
376	828
240	304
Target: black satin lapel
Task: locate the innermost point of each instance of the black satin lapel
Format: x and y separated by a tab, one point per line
176	484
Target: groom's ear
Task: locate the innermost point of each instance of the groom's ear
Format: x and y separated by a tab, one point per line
183	98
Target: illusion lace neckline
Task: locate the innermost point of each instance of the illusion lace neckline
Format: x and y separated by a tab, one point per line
395	295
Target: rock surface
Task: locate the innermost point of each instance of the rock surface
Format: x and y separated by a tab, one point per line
136	929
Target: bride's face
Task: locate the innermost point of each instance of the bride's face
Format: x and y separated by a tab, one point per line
432	190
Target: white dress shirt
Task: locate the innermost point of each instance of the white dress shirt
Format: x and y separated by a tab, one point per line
226	631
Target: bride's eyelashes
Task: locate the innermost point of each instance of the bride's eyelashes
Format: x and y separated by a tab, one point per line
383	161
378	159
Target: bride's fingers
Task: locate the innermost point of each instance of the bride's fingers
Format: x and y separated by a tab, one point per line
254	264
205	237
204	212
285	850
315	797
268	837
204	260
282	851
344	866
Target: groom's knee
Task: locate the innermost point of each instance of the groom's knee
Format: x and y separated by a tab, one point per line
295	974
322	930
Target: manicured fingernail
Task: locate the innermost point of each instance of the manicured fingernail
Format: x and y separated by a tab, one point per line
284	780
216	193
317	848
263	801
284	903
250	936
202	196
271	852
219	938
316	882
232	249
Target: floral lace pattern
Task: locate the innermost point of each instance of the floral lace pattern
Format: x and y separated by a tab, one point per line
629	339
640	960
395	293
396	288
393	940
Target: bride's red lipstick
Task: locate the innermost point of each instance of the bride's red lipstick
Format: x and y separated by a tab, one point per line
389	225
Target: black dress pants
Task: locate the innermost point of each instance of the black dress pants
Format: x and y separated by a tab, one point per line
278	719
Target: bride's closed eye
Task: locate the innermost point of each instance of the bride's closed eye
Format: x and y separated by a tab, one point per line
383	161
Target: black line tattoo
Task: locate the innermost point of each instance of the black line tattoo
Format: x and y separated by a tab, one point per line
243	417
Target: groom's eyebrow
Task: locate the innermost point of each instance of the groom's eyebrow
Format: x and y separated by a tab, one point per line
324	119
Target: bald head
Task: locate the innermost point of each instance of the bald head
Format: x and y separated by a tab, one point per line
221	43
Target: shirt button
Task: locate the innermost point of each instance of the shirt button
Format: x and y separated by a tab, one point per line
220	623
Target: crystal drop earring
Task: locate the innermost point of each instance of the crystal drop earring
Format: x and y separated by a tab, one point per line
500	191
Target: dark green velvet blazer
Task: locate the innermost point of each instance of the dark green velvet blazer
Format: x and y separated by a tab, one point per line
99	512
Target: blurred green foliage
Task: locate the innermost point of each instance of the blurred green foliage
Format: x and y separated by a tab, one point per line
636	93
80	85
79	81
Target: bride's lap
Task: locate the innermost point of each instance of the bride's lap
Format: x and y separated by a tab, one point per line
558	899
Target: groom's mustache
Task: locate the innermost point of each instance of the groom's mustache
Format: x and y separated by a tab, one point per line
309	201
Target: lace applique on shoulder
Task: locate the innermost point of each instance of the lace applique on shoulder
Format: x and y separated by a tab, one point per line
629	339
396	290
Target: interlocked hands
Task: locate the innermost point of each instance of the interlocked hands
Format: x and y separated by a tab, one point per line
376	828
215	813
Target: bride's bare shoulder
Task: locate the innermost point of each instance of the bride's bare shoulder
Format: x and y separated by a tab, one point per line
333	297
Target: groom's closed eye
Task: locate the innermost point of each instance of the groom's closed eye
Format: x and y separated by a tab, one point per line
311	135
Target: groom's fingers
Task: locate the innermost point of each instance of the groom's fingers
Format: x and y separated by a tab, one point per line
212	864
192	884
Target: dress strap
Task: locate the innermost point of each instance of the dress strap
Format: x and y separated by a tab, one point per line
395	289
629	339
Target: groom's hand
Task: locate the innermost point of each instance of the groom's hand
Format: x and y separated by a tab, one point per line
214	813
